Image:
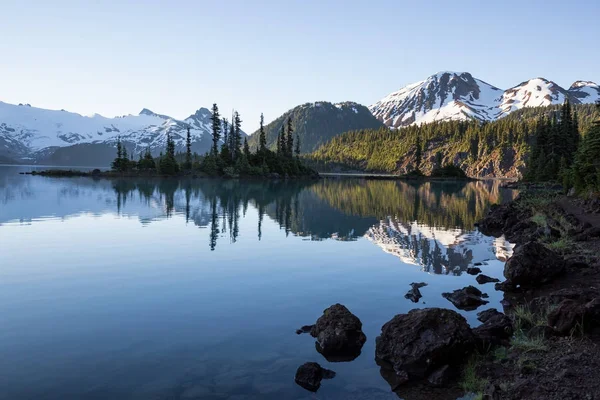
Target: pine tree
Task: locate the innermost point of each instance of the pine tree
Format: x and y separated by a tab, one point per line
246	149
262	139
116	164
297	146
225	153
216	129
231	143
282	141
418	154
289	149
188	150
237	135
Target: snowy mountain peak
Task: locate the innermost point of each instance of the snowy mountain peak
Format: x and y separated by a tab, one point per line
449	95
443	96
585	91
201	113
35	134
579	84
145	111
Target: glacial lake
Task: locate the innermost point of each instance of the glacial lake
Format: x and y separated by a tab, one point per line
193	289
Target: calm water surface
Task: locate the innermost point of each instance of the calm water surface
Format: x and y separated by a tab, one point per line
142	289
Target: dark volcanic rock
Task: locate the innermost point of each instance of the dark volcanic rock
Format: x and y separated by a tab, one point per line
483	279
414	294
483	316
304	329
496	329
440	377
417	345
510	220
339	334
310	375
532	265
468	298
575	314
473	270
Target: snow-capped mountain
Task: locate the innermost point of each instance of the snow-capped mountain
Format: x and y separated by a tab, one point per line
459	96
37	134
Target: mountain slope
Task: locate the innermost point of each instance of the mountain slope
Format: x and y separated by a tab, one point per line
443	96
65	138
459	96
316	123
496	149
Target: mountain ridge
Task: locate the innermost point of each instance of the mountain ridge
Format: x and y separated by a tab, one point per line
316	123
61	137
449	95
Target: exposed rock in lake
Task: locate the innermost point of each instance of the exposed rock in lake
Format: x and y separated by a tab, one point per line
468	298
473	270
339	334
483	279
310	375
532	265
414	294
423	344
304	329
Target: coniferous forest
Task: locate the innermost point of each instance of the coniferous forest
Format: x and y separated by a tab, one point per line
553	144
230	155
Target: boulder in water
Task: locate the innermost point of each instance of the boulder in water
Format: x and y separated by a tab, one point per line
483	279
468	298
339	334
414	294
310	375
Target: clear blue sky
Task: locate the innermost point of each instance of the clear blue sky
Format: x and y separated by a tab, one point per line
115	57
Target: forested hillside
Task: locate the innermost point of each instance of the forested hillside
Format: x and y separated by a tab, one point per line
316	123
494	149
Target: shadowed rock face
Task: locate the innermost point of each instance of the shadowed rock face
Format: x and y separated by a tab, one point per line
496	329
339	334
532	265
419	345
310	375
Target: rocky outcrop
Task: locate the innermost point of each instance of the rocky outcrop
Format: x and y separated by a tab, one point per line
339	334
511	221
423	345
497	328
310	375
532	265
414	294
304	329
483	279
572	315
468	298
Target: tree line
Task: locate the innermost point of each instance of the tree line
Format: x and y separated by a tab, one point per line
524	141
229	156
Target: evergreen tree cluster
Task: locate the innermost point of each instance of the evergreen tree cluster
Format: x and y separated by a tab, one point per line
555	145
474	146
230	154
585	174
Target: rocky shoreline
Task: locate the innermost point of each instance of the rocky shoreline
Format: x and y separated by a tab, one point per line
552	292
544	345
97	174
